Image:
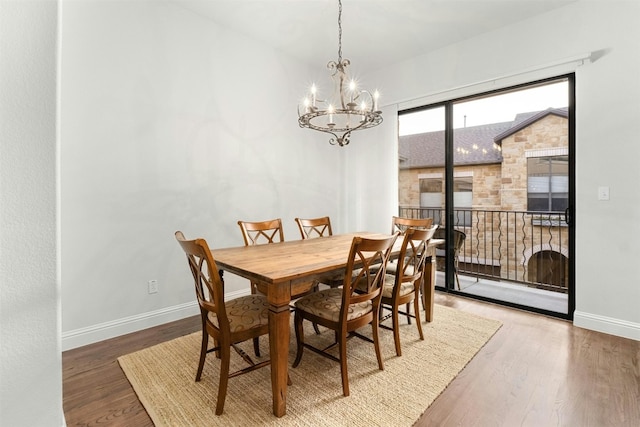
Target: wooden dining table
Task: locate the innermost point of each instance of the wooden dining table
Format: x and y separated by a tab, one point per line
291	267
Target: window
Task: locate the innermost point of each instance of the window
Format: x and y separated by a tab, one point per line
547	183
462	200
432	198
431	193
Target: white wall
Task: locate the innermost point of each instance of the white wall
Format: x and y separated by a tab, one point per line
169	121
166	125
607	133
152	139
31	367
371	176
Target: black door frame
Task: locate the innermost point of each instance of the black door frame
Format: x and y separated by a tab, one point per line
570	213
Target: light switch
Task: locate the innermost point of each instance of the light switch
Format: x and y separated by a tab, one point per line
603	193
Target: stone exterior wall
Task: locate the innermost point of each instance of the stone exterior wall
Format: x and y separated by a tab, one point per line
548	132
486	185
508	240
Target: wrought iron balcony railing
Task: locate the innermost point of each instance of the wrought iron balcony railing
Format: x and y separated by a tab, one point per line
530	248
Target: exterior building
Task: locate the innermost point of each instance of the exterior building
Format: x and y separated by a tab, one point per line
510	194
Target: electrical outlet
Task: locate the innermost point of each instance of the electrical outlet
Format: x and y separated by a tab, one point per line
603	193
153	286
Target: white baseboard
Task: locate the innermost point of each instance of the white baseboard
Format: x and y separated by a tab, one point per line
126	325
608	325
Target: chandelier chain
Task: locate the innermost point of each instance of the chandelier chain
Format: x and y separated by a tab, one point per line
339	31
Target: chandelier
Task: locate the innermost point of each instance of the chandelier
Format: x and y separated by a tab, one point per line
349	109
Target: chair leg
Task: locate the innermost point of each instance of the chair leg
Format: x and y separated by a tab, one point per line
216	344
376	341
408	315
316	288
256	346
396	329
422	292
224	377
299	338
342	348
203	353
416	304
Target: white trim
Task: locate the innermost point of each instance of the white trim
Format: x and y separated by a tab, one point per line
608	325
430	175
461	174
126	325
547	152
538	72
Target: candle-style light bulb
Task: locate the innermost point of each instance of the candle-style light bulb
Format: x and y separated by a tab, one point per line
352	89
330	110
376	95
313	94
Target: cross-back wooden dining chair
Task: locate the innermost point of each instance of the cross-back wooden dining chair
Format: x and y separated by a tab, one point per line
260	233
401	224
404	286
227	322
342	309
311	228
314	227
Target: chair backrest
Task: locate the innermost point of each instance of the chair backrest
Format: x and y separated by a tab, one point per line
401	224
413	254
261	232
315	227
458	238
209	285
366	268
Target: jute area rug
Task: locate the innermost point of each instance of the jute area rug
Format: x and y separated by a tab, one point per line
163	378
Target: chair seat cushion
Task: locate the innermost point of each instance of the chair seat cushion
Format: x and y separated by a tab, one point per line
245	313
327	303
389	282
392	268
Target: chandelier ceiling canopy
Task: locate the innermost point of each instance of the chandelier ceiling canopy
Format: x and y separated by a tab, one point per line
349	108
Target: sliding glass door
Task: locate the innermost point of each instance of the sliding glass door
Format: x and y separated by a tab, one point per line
495	171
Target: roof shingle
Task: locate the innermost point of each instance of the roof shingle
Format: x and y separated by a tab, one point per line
474	145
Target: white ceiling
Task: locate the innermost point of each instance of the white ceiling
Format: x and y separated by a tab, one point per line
375	32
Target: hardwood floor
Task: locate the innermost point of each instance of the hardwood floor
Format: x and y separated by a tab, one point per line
536	371
540	371
96	391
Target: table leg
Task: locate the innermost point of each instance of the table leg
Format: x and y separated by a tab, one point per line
279	353
428	287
